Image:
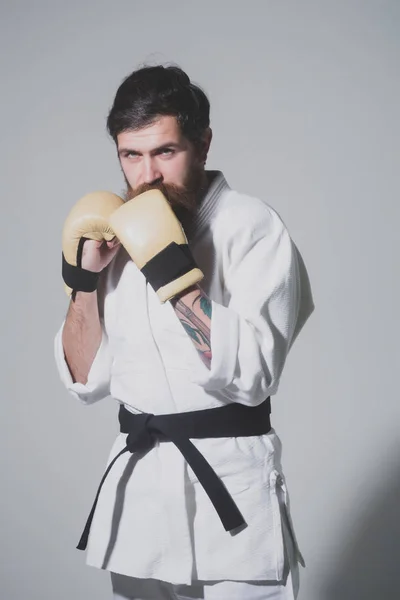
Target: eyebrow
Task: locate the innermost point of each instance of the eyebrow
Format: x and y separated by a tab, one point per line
154	151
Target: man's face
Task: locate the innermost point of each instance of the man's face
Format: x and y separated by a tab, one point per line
159	156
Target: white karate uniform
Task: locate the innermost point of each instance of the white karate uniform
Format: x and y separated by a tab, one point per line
131	588
153	519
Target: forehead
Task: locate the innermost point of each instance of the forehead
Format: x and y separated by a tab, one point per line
163	131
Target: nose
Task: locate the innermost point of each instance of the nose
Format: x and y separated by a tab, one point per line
151	174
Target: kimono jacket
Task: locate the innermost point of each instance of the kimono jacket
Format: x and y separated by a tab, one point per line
153	518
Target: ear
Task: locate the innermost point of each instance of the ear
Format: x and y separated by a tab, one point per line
205	144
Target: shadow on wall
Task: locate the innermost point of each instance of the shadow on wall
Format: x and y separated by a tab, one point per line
369	566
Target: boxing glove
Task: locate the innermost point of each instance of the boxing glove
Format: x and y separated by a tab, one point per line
154	238
88	219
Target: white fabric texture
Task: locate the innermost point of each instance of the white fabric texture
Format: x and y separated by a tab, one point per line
130	588
153	518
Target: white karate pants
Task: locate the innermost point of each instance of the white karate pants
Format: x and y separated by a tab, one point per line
131	588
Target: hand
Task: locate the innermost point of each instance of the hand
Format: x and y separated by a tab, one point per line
89	244
155	240
96	255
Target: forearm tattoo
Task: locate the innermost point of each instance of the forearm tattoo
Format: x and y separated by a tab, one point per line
194	312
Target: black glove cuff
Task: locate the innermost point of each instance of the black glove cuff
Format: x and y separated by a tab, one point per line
78	279
172	262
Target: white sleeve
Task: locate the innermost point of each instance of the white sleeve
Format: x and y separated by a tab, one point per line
97	386
268	301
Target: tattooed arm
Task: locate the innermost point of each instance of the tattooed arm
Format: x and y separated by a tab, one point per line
193	309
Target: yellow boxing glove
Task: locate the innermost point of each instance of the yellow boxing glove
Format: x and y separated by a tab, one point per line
154	238
88	219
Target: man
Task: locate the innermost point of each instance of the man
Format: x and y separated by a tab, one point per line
163	523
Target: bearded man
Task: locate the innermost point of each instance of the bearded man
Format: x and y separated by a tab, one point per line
186	299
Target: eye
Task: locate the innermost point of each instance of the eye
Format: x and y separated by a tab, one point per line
166	152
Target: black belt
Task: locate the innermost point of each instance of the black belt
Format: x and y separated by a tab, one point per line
232	420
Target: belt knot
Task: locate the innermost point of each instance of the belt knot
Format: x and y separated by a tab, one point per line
142	436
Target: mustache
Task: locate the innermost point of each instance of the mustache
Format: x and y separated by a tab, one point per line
175	195
183	199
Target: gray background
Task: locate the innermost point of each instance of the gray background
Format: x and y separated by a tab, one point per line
305	99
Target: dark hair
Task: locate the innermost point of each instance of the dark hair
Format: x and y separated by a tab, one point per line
151	92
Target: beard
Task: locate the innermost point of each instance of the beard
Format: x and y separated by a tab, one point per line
183	199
